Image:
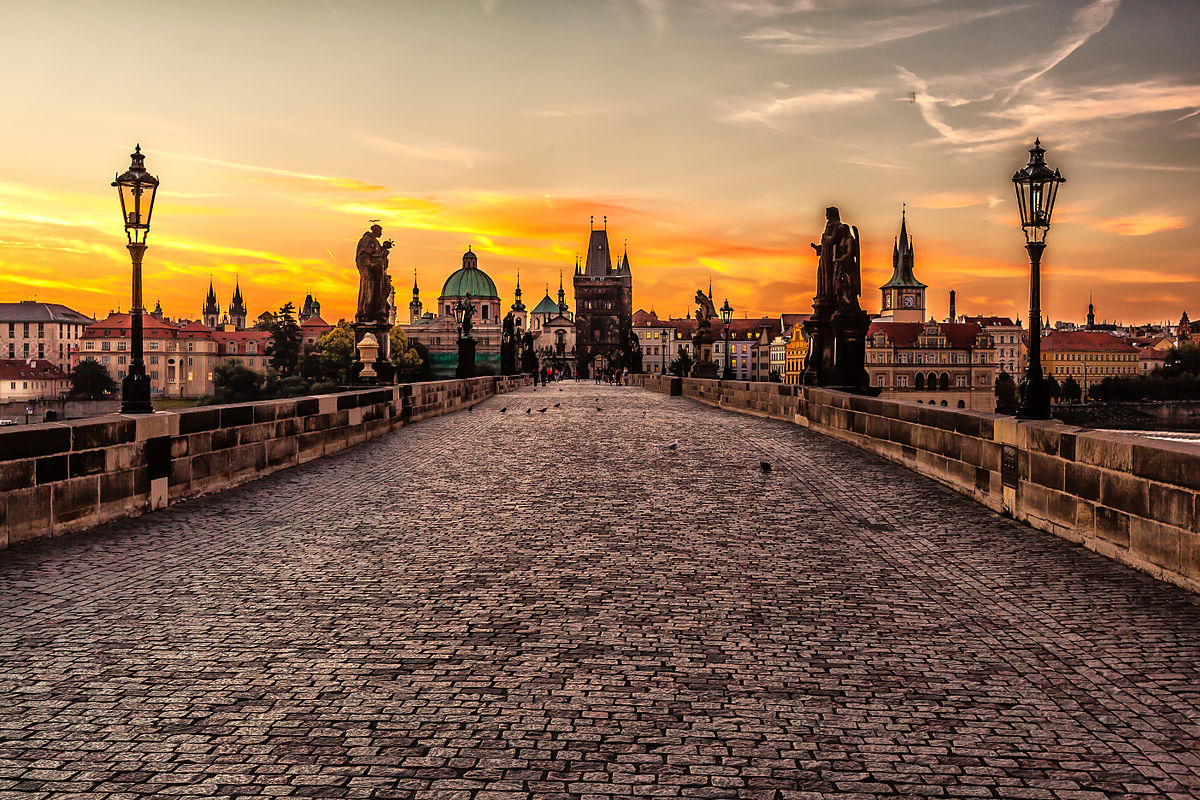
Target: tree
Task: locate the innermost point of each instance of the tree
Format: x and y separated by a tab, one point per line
1052	388
234	382
1071	390
1182	360
284	349
1006	393
411	364
91	381
681	367
329	359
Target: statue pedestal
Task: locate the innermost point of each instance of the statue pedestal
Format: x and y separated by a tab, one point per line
382	367
702	346
837	350
466	359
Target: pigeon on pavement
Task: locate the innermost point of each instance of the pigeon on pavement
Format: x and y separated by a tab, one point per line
764	466
673	445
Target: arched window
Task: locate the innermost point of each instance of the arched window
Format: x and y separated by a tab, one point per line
945	380
919	383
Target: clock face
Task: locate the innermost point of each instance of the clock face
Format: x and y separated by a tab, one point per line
909	301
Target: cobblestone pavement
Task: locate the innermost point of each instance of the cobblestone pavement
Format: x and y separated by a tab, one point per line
500	605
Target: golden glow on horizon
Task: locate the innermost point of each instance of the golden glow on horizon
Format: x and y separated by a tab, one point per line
506	125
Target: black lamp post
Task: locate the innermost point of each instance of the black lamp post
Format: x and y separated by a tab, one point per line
136	188
726	316
669	340
1037	188
466	342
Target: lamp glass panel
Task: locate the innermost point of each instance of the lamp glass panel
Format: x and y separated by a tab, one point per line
129	209
146	202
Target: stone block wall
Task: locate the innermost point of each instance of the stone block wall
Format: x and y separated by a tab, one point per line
68	476
1133	499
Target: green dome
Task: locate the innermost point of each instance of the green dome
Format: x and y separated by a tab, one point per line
547	306
470	279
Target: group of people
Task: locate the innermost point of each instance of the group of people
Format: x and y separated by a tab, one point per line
616	376
548	375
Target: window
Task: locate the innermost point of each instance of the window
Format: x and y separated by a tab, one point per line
151	345
121	345
41	330
252	348
106	345
153	359
879	381
25	334
191	346
153	374
902	381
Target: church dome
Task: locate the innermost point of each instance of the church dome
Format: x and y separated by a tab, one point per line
547	306
470	279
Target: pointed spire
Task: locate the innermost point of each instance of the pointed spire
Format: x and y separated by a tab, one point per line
415	290
518	282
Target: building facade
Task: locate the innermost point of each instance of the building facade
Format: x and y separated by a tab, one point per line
1087	356
603	307
32	379
943	363
179	358
656	338
43	331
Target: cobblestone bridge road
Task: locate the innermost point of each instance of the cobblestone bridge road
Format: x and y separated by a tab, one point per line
501	605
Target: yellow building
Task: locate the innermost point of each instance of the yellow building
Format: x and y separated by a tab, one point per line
1087	356
794	355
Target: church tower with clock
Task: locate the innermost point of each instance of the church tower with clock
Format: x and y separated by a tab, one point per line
903	294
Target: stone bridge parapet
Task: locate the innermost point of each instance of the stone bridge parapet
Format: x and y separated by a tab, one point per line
1130	498
68	476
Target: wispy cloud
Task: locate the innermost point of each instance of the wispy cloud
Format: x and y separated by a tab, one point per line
445	154
767	111
1086	23
1142	224
840	34
342	183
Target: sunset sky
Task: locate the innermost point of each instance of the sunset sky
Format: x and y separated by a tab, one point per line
712	133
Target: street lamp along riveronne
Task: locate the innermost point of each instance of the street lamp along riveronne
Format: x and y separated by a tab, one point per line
136	188
1037	188
727	317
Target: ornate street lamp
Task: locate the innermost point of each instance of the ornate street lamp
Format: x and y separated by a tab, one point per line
726	316
669	338
466	342
136	188
1037	187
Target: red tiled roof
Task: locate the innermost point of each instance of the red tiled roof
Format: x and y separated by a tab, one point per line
959	335
315	322
1151	354
790	320
646	319
39	370
1085	340
988	322
119	325
739	329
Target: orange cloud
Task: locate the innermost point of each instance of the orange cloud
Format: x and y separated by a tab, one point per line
1142	225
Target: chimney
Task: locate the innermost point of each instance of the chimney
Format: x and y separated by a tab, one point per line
952	309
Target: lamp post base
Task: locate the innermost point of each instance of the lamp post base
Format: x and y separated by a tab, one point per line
135	393
466	359
1035	399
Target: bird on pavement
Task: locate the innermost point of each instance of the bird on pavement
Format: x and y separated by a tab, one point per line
528	410
504	409
542	410
598	408
764	466
556	405
673	445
